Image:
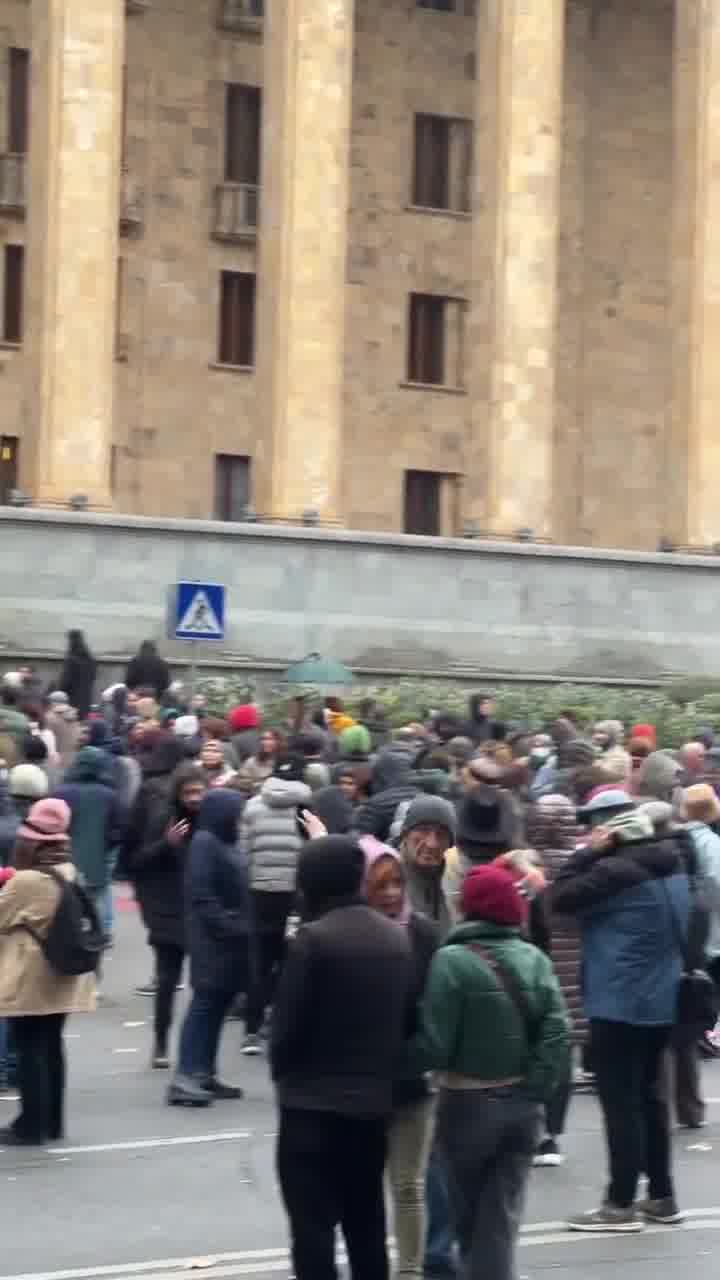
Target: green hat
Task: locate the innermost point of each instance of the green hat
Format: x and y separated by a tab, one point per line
355	741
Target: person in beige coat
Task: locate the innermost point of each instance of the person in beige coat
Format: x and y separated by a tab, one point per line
33	995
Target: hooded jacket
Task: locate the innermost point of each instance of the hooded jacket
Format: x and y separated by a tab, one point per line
96	827
626	901
269	835
147	670
156	867
345	1002
391	783
217	897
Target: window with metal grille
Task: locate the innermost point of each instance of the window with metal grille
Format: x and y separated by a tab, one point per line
14	260
237	318
442	163
18	101
232	486
242	133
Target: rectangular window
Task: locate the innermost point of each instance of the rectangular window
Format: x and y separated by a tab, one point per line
237	318
242	134
442	163
436	331
441	6
18	100
13	293
8	466
422	502
232	486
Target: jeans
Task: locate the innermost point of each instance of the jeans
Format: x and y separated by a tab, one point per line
627	1060
330	1169
200	1035
41	1076
440	1239
409	1139
168	968
487	1138
270	914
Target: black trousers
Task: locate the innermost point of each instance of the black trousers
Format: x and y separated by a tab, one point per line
270	915
628	1064
168	968
330	1169
41	1076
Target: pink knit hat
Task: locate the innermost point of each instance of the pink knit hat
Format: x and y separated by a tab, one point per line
47	822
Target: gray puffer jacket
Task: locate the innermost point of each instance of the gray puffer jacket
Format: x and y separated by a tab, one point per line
269	835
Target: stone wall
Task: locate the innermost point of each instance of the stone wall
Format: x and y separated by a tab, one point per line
382	604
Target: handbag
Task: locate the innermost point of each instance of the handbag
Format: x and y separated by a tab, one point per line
697	1002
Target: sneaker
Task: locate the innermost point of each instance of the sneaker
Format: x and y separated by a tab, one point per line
665	1211
607	1218
548	1155
146	989
252	1046
160	1060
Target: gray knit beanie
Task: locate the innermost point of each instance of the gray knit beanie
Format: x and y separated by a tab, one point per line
429	810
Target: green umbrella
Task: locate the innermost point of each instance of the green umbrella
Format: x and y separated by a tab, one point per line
318	670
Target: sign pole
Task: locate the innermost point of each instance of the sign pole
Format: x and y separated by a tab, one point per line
193	666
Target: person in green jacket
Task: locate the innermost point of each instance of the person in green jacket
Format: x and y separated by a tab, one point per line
495	1029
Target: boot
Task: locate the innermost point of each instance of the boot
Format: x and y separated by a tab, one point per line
187	1092
224	1092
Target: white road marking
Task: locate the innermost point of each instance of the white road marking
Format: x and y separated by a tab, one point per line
128	1050
145	1144
262	1261
134	1024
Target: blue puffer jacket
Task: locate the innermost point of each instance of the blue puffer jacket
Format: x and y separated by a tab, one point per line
625	900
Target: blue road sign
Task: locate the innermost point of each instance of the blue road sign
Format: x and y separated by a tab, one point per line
199	611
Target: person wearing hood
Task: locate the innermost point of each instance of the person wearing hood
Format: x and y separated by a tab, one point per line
32	993
257	768
391	782
26	784
96	824
334	1062
218	925
156	863
478	726
494	1025
411	1125
630	893
244	722
147	670
660	778
607	737
334	808
553	832
271	840
62	719
77	678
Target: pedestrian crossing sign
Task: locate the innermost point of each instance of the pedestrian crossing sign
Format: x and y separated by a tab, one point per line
199	611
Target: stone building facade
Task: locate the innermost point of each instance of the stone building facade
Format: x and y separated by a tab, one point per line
474	286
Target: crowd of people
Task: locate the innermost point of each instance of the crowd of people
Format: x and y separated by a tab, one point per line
436	933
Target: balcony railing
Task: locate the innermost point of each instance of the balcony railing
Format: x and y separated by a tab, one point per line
132	204
12	184
241	15
236	211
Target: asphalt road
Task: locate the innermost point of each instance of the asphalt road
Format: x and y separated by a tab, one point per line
143	1190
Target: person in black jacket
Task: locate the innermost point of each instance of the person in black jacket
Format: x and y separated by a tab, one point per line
217	901
77	678
157	865
343	1007
147	670
391	782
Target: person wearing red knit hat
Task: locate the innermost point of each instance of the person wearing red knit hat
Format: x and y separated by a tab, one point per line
245	722
495	1028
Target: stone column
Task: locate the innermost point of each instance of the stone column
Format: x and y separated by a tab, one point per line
75	124
515	229
307	87
693	455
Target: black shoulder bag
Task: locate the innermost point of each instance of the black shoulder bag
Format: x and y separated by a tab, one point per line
697	1001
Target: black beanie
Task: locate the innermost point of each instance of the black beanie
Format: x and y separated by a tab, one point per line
330	868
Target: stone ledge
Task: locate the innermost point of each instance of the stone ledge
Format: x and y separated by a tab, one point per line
353	537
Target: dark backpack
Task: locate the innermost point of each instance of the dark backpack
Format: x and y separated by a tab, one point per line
75	939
